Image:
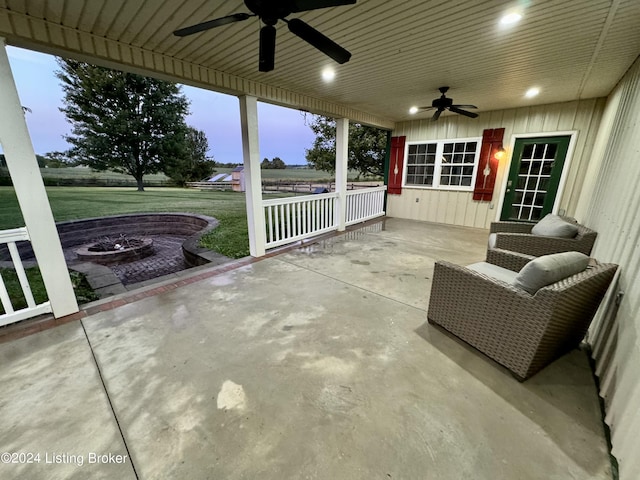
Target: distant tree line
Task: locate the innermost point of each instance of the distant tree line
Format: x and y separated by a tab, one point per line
276	164
48	160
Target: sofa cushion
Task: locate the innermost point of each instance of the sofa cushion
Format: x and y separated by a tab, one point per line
549	269
493	239
554	226
494	271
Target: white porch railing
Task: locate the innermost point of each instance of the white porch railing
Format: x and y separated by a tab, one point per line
365	204
296	218
10	237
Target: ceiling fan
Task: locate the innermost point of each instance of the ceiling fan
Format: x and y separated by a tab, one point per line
270	12
443	103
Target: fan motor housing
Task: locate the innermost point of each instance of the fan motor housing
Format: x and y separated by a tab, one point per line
269	12
442	102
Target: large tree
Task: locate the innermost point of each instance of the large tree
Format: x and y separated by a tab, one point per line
121	121
194	165
367	147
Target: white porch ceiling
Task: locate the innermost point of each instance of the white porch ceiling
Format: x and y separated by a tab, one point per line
402	50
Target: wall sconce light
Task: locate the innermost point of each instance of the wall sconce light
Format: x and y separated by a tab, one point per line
499	155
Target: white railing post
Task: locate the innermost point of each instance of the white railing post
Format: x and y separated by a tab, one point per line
31	194
342	161
252	175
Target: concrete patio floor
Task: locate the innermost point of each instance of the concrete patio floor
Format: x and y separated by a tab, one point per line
317	363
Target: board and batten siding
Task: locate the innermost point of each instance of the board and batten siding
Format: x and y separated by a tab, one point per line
610	204
459	208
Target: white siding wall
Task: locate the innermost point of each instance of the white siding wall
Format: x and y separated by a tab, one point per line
458	208
611	202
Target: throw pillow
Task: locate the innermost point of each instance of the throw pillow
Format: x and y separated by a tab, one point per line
549	269
554	226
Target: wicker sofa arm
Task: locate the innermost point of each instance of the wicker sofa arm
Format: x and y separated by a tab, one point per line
537	245
510	227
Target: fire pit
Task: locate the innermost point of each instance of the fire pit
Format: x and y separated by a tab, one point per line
121	250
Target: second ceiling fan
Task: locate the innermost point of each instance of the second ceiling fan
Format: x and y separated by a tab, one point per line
443	103
269	13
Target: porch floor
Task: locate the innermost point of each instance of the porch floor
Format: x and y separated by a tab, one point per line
316	363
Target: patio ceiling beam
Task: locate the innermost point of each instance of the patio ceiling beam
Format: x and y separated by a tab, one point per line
45	36
32	197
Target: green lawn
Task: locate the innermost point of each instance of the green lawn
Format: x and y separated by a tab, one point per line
70	203
84	293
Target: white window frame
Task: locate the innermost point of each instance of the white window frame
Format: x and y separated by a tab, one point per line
438	165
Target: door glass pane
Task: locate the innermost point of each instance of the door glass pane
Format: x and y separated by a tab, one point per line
528	198
536	214
539	149
518	198
527	152
524	167
551	151
535	168
544	184
539	199
522	182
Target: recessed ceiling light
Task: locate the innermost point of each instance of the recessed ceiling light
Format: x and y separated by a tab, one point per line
511	18
532	92
413	110
328	74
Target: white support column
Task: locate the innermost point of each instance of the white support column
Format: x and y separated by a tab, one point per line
342	160
32	197
252	175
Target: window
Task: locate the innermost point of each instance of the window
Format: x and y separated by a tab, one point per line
444	164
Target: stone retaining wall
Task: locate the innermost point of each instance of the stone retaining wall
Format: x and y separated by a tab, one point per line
79	232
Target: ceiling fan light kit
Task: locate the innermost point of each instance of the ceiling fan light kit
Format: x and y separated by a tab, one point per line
269	13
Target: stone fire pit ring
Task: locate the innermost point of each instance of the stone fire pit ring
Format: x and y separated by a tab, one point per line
110	257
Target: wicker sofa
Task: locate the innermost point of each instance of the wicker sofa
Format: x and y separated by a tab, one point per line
517	237
523	332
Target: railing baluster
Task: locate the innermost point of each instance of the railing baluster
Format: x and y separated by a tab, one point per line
22	276
283	234
4	298
270	222
288	210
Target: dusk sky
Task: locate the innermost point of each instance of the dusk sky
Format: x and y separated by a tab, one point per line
283	132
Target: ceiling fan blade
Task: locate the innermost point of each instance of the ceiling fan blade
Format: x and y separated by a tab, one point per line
318	40
267	48
464	106
454	109
218	22
426	108
436	115
305	5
